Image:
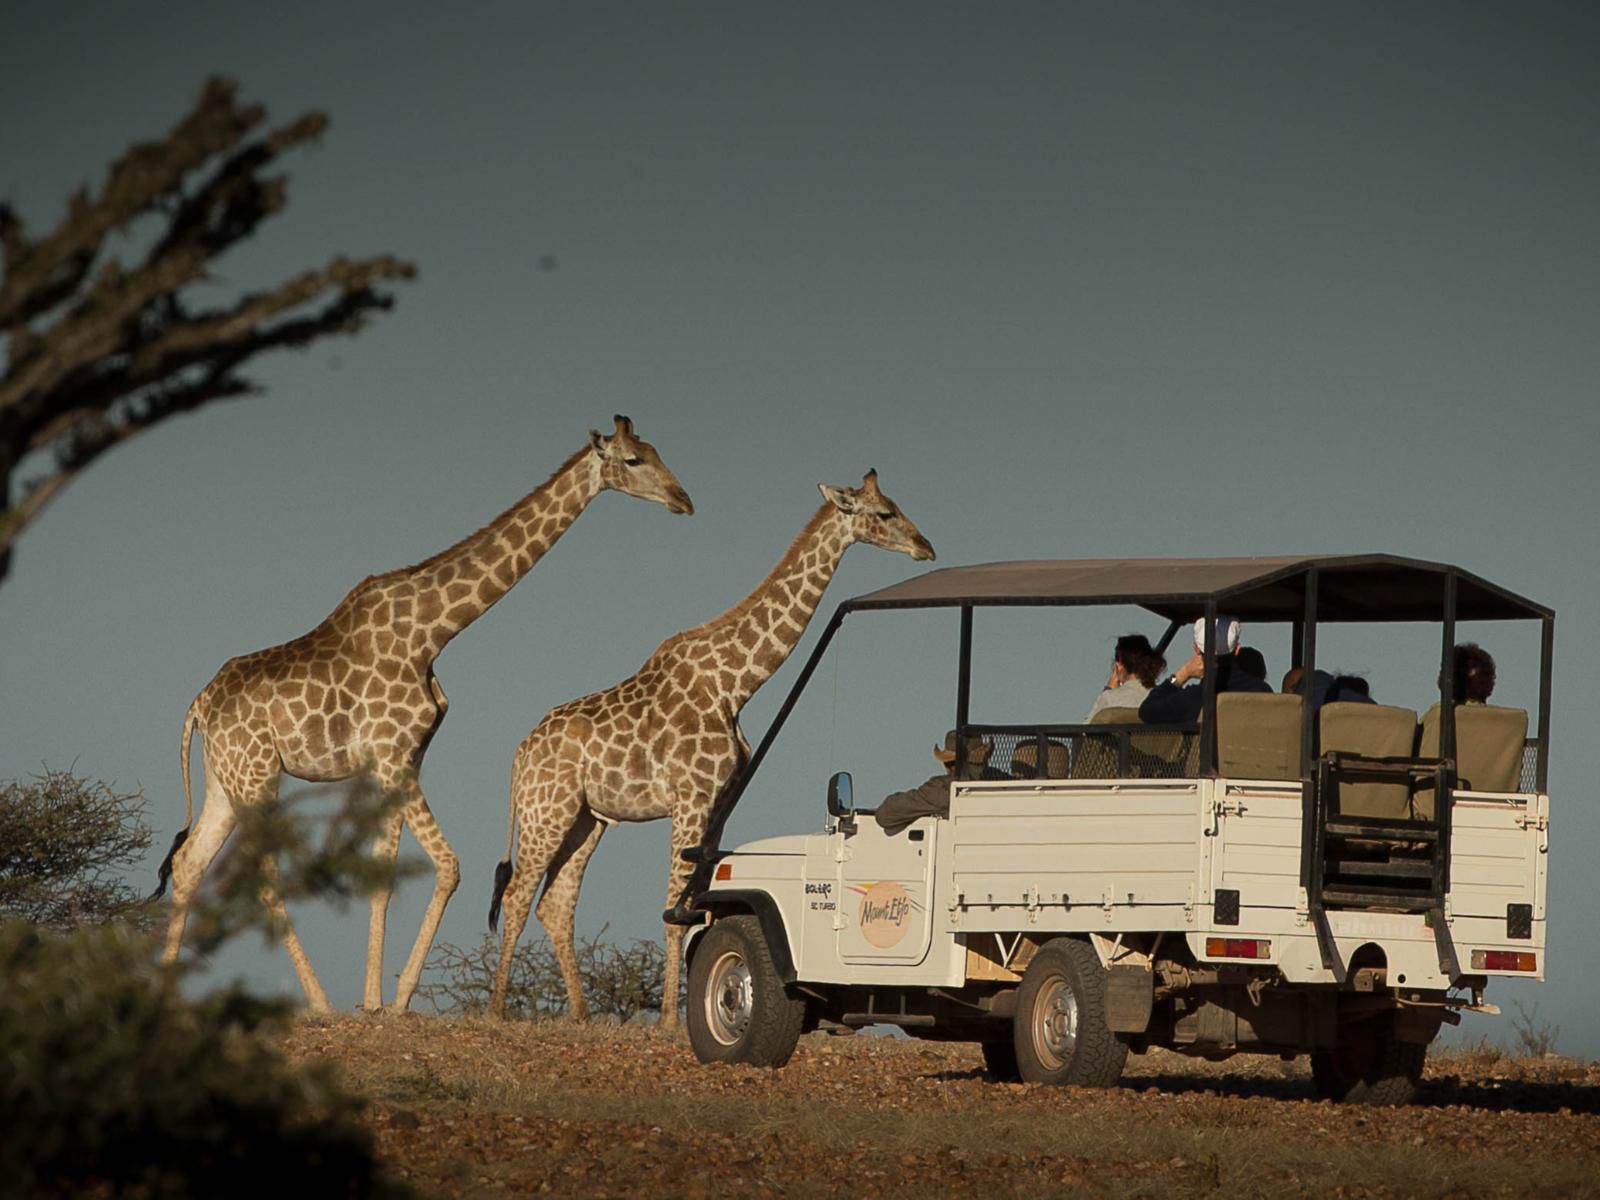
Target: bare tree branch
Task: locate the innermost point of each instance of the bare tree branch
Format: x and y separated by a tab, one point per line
39	274
123	351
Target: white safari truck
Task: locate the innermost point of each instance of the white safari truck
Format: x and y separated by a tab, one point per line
1276	877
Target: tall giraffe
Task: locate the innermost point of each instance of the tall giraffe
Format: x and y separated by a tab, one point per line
358	694
665	741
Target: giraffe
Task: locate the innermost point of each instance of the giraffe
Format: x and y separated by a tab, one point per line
358	695
665	741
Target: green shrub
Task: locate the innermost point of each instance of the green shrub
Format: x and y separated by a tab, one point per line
112	1083
316	858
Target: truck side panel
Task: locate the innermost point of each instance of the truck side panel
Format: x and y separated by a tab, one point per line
1079	848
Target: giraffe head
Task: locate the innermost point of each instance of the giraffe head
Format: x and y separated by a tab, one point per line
877	520
630	464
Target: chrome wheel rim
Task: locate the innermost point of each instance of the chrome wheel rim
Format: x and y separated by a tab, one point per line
1055	1024
730	999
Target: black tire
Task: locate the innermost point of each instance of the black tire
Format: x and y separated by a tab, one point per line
1000	1061
1059	1033
739	1010
1369	1066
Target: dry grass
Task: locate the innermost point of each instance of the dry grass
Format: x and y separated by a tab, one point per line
877	1116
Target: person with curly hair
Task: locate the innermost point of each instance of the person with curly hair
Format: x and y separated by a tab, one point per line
1474	674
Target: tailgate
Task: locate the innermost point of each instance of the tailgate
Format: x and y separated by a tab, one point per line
1499	854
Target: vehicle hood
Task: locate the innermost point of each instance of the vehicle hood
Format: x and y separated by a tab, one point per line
794	843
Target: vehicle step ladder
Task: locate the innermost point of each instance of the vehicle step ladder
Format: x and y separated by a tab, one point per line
1370	863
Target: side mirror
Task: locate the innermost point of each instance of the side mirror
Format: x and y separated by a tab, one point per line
841	802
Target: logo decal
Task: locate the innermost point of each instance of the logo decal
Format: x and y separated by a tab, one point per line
885	913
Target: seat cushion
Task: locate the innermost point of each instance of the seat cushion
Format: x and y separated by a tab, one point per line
1373	731
1489	742
1258	735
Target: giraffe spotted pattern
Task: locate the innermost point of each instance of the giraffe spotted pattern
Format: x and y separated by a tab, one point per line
358	695
665	741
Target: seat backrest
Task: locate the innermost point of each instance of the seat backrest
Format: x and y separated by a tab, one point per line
1258	735
1116	716
1097	756
1374	731
1155	753
1489	741
1025	760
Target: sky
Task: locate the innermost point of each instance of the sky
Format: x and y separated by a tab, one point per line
1078	280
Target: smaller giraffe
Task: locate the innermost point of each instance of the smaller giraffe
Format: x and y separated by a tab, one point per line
358	695
665	741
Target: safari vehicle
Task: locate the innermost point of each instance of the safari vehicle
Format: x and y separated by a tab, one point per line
1338	882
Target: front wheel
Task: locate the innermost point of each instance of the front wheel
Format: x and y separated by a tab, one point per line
1059	1031
739	1010
1370	1065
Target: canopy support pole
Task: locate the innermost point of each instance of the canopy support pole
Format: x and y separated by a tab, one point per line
1547	652
964	687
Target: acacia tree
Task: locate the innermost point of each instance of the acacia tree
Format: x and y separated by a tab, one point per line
98	350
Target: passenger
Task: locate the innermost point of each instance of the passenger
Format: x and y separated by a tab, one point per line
1473	669
1172	703
1134	668
933	797
1349	689
1326	688
1252	662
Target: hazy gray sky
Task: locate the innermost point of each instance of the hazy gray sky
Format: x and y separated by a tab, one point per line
1080	281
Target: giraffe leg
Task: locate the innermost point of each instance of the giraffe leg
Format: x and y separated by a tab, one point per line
385	849
688	828
446	878
544	822
316	998
558	906
191	860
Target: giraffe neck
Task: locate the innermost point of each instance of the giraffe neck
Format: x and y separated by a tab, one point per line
472	575
755	636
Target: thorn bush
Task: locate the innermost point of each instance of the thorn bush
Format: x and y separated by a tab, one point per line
619	981
64	843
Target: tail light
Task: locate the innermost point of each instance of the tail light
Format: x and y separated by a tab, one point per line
1504	960
1238	948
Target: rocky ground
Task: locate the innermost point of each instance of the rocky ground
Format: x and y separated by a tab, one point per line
476	1108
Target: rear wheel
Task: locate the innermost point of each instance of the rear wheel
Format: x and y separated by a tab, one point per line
739	1010
1370	1065
1059	1034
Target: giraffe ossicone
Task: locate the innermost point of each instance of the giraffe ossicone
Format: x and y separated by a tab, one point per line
665	741
357	696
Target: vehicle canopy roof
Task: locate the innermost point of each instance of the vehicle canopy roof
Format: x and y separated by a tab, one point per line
1302	589
1351	587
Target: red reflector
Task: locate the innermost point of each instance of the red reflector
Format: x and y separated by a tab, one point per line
1504	960
1237	948
725	870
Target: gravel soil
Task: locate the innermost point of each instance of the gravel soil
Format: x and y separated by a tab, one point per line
475	1108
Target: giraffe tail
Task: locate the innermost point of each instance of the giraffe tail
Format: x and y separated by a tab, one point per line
190	720
502	873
